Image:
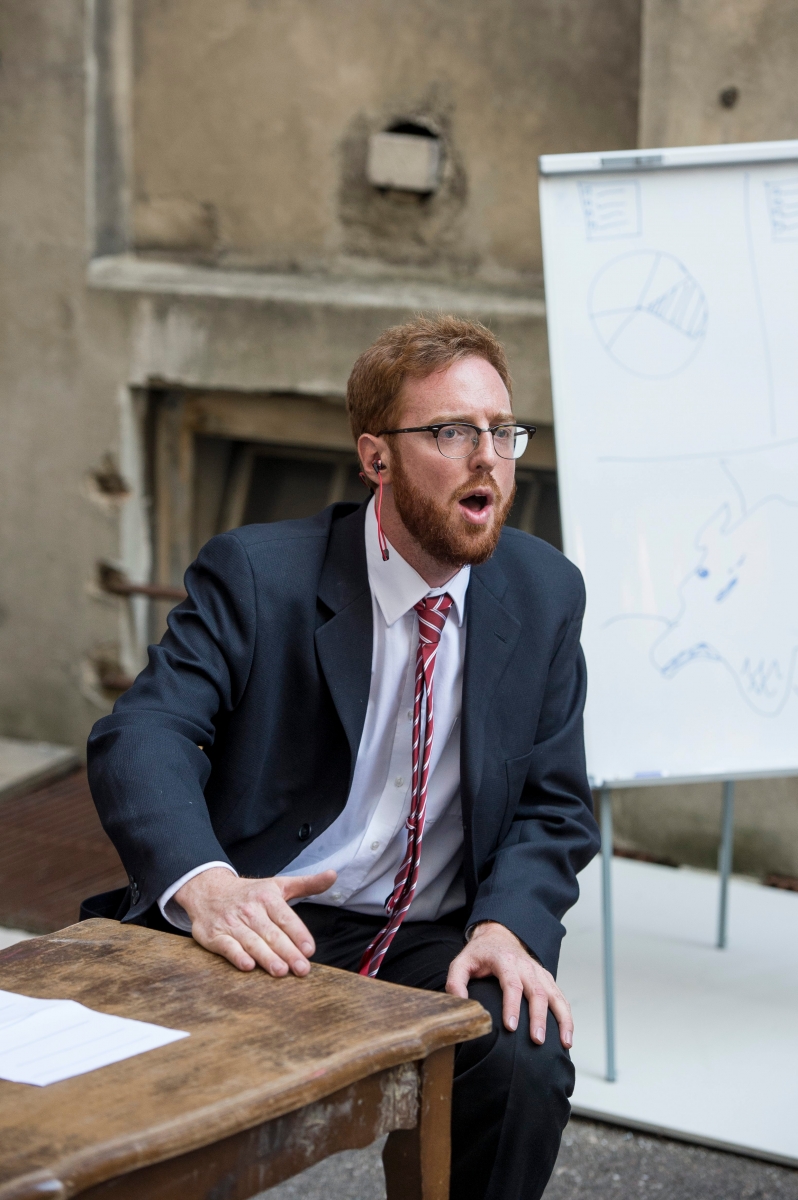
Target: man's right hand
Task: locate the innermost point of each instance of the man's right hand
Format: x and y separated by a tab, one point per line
249	921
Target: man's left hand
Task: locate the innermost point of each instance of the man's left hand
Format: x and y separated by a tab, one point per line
494	950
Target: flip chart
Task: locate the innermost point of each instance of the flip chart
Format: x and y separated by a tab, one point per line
672	308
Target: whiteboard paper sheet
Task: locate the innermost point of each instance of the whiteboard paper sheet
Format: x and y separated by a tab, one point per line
45	1041
672	308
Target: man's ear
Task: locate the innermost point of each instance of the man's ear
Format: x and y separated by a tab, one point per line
372	450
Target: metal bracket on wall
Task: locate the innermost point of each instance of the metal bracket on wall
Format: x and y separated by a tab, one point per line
117	583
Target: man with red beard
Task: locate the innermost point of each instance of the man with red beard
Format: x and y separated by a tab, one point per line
360	743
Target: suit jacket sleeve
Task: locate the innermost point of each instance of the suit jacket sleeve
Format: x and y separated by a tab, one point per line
147	770
529	882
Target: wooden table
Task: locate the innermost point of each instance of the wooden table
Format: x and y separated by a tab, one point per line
277	1074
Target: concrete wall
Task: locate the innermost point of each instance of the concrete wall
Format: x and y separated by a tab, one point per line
60	353
252	119
683	824
695	52
213	136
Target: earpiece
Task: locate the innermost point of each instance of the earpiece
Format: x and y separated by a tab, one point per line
379	467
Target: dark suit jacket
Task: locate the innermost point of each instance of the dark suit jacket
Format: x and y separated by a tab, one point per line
239	740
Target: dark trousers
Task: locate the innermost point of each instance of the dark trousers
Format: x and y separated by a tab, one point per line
510	1097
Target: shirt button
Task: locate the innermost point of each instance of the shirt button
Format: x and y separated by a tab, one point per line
375	845
410	714
336	896
399	781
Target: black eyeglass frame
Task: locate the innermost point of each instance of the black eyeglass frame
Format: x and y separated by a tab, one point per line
435	430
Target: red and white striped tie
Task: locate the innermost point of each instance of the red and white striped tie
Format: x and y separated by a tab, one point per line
432	612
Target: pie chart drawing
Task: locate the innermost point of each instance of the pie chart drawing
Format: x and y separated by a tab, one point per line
649	313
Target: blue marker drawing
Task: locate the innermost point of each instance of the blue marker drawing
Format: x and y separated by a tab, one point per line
724	591
738	604
611	208
782	201
649	313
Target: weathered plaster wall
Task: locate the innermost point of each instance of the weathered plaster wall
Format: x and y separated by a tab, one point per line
251	121
239	130
302	336
683	824
694	50
60	354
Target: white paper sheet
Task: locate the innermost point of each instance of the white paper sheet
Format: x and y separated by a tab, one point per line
44	1041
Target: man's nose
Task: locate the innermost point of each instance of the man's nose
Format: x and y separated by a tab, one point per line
483	456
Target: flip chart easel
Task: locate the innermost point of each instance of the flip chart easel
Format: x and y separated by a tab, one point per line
725	859
672	300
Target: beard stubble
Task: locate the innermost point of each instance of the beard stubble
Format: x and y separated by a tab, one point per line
439	529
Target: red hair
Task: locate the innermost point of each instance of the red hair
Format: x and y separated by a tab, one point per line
413	351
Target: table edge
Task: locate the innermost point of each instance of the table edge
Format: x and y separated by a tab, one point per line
74	1173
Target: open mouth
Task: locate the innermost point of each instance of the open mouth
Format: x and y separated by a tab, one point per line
476	506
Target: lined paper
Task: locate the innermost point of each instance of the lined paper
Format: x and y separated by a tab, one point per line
45	1041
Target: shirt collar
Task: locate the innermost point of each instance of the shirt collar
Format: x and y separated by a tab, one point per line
397	586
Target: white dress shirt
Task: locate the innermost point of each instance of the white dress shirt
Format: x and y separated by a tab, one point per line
367	842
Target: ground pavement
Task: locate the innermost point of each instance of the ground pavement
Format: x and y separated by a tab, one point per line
597	1162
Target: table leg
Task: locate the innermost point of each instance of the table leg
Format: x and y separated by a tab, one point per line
417	1161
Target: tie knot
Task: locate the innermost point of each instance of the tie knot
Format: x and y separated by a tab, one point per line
432	613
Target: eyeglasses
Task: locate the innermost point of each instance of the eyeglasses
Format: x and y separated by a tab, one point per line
458	440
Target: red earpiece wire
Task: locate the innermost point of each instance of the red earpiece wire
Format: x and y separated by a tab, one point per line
381	538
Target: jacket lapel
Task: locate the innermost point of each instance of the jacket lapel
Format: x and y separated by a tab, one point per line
491	636
344	642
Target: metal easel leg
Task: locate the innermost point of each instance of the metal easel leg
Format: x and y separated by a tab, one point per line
606	919
725	856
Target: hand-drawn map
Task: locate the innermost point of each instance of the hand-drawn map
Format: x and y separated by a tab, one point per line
738	605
